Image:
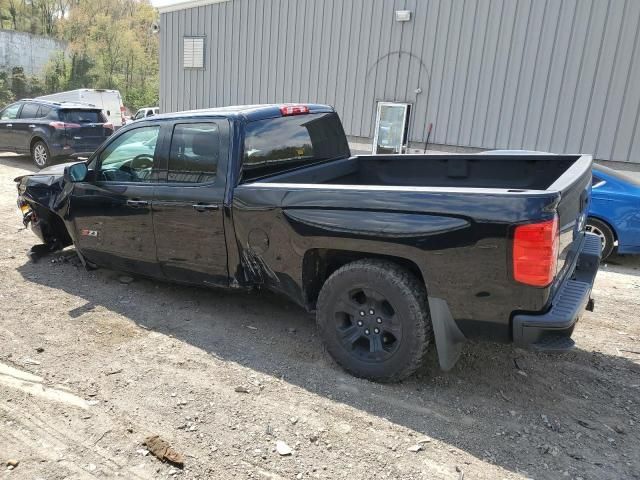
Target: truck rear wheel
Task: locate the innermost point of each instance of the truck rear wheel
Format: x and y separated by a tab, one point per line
374	319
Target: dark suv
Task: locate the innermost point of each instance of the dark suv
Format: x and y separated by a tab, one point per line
50	130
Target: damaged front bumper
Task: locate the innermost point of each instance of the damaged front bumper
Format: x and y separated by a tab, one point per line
28	214
30	219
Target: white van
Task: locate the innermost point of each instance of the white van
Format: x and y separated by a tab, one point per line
109	101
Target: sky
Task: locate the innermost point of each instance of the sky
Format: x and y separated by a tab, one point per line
164	3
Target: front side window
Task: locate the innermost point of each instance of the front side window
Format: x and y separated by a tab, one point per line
278	144
194	153
11	112
29	110
130	157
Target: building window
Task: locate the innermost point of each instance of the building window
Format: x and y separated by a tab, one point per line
193	52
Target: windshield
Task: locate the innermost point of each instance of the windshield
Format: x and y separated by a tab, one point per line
83	116
616	175
279	144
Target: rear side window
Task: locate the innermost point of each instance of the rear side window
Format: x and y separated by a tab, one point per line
278	144
29	110
83	116
44	111
194	154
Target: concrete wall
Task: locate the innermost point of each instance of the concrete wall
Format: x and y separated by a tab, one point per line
554	75
32	52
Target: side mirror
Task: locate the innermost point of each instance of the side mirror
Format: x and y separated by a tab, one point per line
76	172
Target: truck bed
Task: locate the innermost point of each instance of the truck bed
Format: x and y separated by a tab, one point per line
511	172
445	212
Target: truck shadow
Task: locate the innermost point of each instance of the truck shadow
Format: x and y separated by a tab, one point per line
524	411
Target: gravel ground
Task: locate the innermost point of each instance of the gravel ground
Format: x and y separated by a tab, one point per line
90	366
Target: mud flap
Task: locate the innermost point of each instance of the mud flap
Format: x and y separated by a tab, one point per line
449	338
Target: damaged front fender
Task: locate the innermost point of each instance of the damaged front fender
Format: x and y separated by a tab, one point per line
43	199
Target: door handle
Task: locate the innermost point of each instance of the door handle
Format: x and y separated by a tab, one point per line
32	126
204	207
137	203
9	125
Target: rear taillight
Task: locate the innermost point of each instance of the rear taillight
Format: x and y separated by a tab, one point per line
535	253
288	110
63	125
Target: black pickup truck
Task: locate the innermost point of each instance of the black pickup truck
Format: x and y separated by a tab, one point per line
391	251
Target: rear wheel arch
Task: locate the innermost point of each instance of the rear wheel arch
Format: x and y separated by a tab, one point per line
320	263
373	317
33	141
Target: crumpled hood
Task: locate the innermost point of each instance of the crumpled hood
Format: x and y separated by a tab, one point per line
52	171
47	188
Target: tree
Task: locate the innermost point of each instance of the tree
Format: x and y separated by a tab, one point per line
19	84
48	13
6	95
110	44
114	39
15	9
34	16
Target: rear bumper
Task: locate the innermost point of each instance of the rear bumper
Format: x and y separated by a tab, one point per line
552	330
70	150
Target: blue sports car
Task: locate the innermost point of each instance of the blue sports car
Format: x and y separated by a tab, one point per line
614	214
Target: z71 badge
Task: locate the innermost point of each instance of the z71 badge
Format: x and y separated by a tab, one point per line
88	233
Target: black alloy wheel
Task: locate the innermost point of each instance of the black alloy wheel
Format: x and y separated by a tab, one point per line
374	319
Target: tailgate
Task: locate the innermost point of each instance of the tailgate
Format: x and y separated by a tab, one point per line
574	186
90	135
86	128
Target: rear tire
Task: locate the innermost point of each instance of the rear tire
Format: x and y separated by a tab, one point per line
374	319
40	155
604	232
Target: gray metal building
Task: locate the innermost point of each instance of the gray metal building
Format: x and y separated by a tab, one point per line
553	75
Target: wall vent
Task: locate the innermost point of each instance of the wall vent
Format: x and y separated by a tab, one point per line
193	52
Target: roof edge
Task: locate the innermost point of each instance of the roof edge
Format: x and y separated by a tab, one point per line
183	5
